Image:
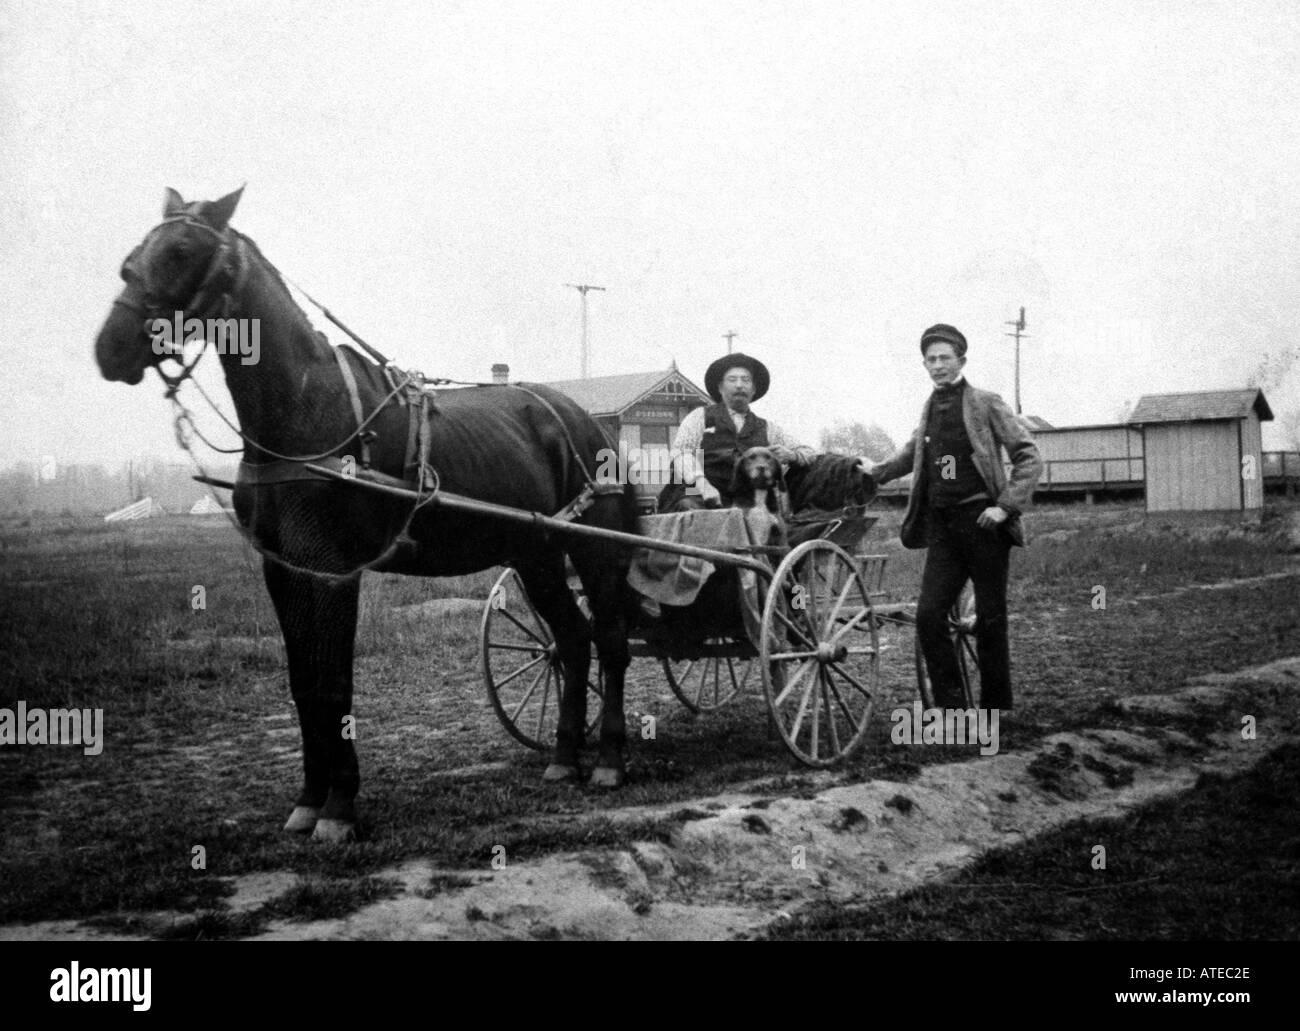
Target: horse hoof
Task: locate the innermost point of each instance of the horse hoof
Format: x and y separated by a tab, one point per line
334	832
302	820
557	772
607	777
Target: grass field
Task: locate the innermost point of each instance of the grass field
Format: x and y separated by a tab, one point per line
201	747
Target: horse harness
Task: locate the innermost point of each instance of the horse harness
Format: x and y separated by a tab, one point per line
224	278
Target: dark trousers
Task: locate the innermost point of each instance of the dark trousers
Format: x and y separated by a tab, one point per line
959	550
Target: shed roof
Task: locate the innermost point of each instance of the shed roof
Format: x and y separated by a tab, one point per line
1201	406
609	395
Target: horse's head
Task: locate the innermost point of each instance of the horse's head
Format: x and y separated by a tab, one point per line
184	264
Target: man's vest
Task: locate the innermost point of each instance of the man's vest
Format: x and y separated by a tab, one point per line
950	473
722	445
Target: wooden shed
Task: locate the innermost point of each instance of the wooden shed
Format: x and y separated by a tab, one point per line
1202	451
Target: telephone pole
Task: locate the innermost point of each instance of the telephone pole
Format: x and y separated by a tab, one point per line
729	336
1019	325
582	288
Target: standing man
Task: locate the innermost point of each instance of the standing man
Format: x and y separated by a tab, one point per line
966	511
722	432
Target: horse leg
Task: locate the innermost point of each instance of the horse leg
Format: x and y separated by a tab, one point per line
603	569
318	619
548	590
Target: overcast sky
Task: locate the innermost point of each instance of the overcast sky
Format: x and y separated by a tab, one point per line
825	179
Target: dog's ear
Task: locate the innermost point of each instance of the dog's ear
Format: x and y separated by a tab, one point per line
739	481
779	474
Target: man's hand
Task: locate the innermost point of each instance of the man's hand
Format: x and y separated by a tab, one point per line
708	493
783	454
868	467
992	517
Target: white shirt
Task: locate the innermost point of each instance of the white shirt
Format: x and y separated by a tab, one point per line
690	438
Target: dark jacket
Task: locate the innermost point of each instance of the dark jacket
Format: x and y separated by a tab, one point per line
722	445
991	426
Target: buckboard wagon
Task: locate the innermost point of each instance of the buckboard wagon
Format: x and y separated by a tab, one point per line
725	615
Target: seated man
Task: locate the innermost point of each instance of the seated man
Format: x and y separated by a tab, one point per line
722	432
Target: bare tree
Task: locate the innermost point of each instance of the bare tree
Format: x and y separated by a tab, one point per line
853	438
1273	368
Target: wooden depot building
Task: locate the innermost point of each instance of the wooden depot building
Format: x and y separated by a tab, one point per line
639	410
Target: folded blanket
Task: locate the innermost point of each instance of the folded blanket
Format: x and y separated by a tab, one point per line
676	579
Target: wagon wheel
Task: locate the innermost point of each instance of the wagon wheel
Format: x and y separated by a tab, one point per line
709	683
521	666
961	630
820	655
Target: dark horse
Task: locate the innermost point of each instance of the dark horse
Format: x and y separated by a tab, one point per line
526	448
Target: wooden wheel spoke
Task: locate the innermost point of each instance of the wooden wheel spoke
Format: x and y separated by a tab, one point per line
857	684
827	688
785	656
546	695
838	606
528	630
510	647
520	671
514	716
793	682
844	707
817	709
850	624
805	640
803	708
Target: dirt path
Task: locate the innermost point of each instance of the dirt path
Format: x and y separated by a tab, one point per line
738	861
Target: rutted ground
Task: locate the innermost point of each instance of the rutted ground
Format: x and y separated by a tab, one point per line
732	863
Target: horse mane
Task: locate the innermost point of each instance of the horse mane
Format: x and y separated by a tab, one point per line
827	483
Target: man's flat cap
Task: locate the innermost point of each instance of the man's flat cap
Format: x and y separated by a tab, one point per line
944	334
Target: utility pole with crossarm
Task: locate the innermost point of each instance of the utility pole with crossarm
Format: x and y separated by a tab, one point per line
1019	326
582	288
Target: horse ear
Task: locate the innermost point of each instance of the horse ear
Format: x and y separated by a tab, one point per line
173	203
218	212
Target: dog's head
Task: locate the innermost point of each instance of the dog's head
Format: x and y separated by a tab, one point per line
757	469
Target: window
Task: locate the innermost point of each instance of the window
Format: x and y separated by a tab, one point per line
652	436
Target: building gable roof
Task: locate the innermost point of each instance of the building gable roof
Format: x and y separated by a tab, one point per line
1200	406
610	395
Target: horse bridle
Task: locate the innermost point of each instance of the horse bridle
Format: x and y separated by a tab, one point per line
207	294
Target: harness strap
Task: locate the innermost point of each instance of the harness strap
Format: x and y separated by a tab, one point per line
350	381
573	448
264	474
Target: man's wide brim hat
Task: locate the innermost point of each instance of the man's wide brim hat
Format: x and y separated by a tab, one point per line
713	377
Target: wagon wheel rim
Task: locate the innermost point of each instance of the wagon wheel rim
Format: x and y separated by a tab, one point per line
820	655
709	683
521	667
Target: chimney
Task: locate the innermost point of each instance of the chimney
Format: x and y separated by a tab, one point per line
500	373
